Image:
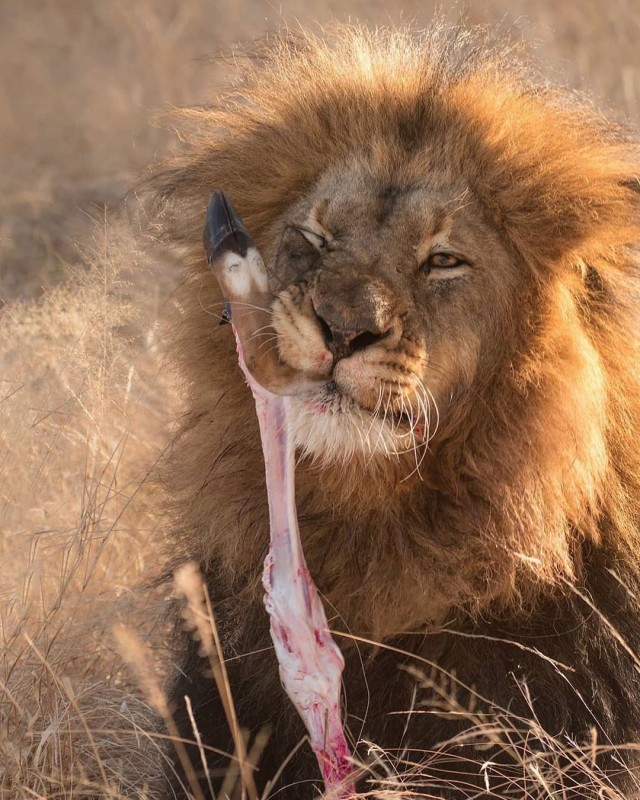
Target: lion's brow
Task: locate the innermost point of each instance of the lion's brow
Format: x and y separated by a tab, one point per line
387	198
438	222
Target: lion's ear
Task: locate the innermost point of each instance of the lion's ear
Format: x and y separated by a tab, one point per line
558	181
577	210
548	231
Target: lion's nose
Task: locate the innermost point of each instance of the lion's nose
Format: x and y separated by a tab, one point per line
342	342
353	314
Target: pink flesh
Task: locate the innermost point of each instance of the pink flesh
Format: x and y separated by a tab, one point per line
310	662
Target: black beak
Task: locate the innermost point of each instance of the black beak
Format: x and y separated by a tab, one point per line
223	230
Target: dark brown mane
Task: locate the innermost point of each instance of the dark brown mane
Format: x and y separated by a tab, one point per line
536	472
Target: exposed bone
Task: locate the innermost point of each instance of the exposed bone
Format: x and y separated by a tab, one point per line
310	662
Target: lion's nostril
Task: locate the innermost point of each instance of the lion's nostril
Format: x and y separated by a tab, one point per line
342	343
352	320
366	339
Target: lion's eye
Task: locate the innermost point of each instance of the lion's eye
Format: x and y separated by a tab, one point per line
316	239
442	261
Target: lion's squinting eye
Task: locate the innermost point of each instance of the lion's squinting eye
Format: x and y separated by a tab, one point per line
319	241
442	261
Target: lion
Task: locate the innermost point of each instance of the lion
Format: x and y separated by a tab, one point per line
453	248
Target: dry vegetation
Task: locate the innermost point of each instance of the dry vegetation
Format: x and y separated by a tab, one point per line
85	398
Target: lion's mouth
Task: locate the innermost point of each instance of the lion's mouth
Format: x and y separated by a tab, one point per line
332	399
330	425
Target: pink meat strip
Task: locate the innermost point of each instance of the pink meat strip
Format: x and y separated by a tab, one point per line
310	662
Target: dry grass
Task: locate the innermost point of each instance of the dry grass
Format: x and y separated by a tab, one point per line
85	401
82	409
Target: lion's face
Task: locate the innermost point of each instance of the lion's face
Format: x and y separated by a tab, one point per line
399	298
451	248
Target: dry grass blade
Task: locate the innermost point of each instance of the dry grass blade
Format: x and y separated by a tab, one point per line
135	654
199	616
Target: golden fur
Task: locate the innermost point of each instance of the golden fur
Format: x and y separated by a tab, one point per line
536	452
547	447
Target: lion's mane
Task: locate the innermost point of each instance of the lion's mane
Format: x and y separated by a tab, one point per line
531	504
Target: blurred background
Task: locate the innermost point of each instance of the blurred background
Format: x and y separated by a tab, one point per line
81	82
86	396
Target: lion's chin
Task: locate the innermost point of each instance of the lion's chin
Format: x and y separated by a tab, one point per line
331	427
